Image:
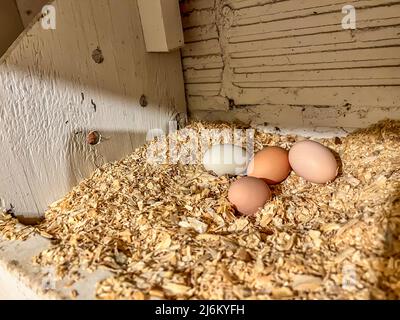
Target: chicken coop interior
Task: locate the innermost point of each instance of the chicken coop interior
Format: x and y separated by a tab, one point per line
304	94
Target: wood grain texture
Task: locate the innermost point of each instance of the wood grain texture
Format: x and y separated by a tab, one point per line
267	58
53	94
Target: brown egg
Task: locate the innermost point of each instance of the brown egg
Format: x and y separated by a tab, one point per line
313	162
248	195
270	164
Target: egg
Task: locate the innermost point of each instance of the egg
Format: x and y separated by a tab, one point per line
226	159
313	162
248	195
270	164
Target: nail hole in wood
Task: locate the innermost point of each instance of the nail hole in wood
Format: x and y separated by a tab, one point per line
93	138
143	101
97	56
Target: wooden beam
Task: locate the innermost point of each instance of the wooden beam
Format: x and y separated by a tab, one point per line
161	23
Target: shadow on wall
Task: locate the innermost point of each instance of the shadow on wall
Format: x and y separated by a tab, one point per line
83	156
91	73
29	9
10	24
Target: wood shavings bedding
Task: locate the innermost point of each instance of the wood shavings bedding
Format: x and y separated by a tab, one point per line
168	231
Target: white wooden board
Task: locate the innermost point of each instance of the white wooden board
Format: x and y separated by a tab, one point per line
162	26
52	93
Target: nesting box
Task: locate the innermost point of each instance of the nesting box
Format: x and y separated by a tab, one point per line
83	96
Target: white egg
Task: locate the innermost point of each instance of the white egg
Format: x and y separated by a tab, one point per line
226	159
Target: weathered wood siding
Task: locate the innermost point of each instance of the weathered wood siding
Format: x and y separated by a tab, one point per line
290	62
53	93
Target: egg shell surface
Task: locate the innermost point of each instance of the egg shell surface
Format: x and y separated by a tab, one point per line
226	159
248	195
313	161
270	164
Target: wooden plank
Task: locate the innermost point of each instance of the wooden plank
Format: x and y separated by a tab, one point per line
362	27
373	75
23	279
306	8
339	37
202	48
203	76
208	103
322	49
54	94
203	89
316	21
161	24
201	33
355	55
385	97
304	83
192	5
282	9
308	117
198	18
347	65
240	4
205	62
388	33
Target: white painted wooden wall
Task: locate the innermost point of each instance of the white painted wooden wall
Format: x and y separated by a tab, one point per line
290	63
52	94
